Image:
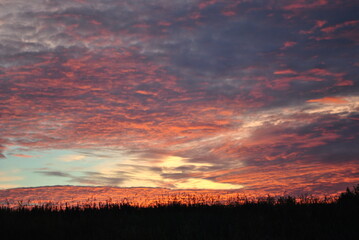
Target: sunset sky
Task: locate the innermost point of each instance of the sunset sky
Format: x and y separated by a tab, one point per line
257	95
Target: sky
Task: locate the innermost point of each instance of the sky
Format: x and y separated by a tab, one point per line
257	95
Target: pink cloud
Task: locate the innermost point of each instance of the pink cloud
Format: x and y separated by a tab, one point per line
23	155
285	72
288	44
302	4
228	13
320	23
331	29
206	3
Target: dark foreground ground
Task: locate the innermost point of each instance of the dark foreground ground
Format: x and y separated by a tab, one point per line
264	220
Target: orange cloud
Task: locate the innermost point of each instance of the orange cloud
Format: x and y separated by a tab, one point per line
336	100
293	178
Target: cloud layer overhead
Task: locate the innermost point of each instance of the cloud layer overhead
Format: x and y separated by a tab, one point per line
247	94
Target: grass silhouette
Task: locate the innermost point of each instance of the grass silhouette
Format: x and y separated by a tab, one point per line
285	217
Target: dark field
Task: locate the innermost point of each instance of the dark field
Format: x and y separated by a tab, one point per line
270	218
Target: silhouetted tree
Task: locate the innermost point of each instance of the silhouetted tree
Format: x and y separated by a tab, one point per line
350	196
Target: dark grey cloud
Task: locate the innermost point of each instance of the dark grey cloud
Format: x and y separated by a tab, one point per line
329	139
87	178
54	173
216	51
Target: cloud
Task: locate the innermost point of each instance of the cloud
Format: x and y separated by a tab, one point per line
4	177
198	183
338	26
6	186
85	195
2	148
305	4
336	100
22	155
184	90
71	158
54	173
85	178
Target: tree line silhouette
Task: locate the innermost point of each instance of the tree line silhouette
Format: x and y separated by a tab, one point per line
285	217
